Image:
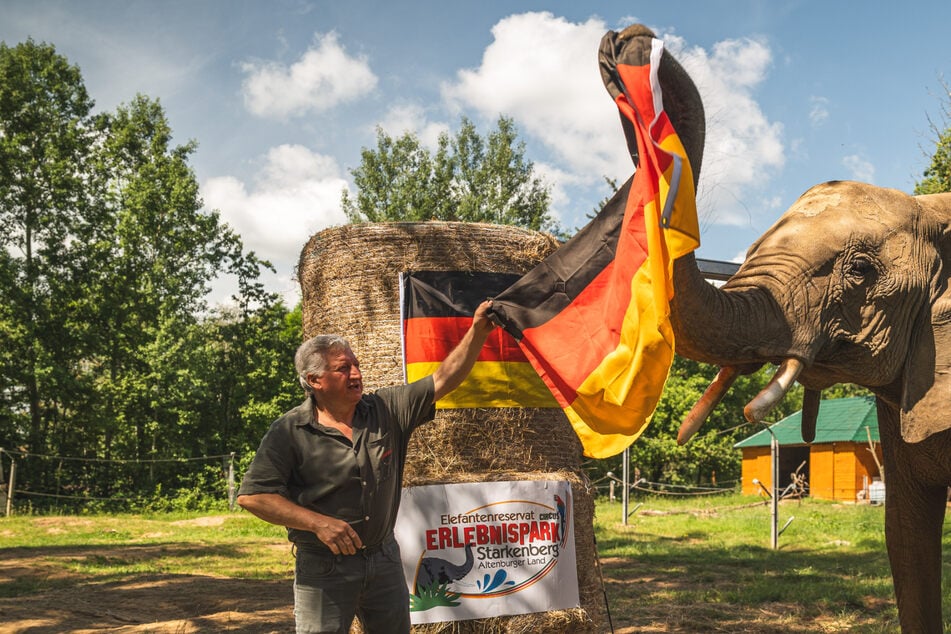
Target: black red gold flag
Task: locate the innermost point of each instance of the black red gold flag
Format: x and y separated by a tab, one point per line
437	309
593	317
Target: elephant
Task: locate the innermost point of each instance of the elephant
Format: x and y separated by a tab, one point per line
434	571
850	285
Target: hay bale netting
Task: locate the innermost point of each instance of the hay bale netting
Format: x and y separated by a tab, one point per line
349	284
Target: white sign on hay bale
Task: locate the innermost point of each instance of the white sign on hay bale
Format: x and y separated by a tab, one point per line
488	549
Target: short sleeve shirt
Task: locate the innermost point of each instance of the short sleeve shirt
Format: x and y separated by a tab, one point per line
319	468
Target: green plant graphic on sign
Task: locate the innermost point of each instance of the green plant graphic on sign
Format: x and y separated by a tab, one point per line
432	597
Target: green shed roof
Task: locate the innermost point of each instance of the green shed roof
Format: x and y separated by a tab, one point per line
840	420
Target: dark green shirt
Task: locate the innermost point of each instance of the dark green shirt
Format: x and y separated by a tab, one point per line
319	468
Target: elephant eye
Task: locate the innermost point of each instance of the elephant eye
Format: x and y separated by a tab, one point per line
859	269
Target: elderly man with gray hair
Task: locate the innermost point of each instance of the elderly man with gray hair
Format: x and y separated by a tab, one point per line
331	470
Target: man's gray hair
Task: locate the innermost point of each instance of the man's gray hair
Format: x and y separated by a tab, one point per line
311	357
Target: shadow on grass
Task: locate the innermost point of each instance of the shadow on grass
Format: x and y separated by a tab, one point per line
685	584
31	569
129	589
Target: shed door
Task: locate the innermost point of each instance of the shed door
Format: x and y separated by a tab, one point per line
790	458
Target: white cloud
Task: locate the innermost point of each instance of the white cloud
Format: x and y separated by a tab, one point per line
403	118
297	194
542	70
557	180
859	168
323	77
819	110
742	146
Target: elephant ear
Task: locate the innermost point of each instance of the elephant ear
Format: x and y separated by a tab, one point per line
926	394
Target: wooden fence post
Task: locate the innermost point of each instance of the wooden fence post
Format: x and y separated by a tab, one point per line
231	489
13	477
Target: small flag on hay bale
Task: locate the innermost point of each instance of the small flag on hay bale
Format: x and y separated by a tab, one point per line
437	309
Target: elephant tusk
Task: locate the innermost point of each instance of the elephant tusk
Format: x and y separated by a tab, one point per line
784	378
810	412
710	399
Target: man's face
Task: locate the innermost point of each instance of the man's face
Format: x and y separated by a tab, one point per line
342	382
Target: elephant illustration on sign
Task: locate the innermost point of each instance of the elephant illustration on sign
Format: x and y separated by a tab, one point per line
850	285
434	571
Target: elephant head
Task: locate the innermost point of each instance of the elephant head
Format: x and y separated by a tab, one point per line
434	571
849	285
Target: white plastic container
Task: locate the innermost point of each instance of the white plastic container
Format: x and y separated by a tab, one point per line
876	492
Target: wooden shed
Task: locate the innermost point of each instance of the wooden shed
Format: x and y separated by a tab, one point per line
838	465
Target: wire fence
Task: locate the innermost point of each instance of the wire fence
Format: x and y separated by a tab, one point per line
111	484
31	481
612	486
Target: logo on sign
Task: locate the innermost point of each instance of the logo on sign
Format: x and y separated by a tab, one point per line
494	550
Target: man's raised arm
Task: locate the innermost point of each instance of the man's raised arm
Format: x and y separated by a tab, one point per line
458	363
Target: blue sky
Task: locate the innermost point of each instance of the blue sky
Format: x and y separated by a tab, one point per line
281	96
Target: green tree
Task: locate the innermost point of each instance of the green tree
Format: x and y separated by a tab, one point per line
157	252
937	177
107	348
240	377
46	200
468	178
222	380
844	390
271	387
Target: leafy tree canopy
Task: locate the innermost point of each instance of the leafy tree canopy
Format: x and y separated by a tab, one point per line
468	178
107	347
937	177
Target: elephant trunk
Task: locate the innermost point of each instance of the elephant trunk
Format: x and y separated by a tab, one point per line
740	326
737	329
703	316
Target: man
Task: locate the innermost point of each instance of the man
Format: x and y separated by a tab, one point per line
330	470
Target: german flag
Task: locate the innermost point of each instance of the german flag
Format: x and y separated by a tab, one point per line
593	317
437	309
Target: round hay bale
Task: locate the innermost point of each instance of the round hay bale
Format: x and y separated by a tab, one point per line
349	284
349	277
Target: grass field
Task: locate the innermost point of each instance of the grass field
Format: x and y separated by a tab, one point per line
677	566
708	566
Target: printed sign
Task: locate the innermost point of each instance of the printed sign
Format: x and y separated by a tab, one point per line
480	550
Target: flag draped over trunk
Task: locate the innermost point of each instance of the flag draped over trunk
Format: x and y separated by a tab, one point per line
593	317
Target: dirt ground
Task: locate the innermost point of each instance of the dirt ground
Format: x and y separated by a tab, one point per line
159	603
163	604
187	604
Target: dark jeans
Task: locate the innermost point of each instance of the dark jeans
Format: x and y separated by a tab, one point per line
330	589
